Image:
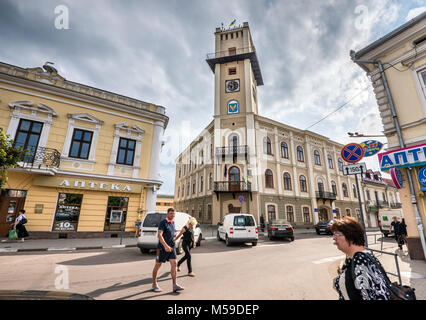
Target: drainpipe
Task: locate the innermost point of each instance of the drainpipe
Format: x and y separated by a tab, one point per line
402	145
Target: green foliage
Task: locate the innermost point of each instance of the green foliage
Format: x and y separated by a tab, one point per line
9	156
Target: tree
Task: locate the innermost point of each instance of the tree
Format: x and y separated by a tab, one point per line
9	156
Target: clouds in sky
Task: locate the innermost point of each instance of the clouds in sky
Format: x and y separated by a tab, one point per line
155	51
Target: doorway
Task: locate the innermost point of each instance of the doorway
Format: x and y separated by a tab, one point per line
323	214
11	201
234	179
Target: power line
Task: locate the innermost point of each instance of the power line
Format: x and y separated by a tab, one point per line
338	107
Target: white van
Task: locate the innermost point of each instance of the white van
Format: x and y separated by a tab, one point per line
238	228
148	232
386	218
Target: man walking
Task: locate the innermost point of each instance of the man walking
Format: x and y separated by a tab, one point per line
167	251
396	224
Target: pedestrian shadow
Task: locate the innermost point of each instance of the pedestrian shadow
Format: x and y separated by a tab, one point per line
113	256
170	293
118	286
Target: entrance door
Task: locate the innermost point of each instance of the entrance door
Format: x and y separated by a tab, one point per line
271	213
234	179
9	209
323	214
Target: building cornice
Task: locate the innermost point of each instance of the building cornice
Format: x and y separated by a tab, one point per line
16	76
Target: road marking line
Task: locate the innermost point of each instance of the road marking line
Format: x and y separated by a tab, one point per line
61	249
325	260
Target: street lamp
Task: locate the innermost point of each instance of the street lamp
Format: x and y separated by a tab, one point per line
360	135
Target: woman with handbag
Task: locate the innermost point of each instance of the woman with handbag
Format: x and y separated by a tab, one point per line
188	243
362	276
19	225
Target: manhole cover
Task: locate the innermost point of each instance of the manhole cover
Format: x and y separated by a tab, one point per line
412	275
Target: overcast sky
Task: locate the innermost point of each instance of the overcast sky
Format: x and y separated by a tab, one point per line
155	51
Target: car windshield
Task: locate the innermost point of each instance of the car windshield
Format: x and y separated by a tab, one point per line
279	222
153	219
244	221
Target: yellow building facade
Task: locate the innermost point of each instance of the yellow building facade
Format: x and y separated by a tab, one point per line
164	202
93	156
396	66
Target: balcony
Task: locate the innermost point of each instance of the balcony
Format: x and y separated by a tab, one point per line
383	204
232	187
43	160
237	55
324	196
396	205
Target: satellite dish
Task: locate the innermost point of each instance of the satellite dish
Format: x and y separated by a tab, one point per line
47	66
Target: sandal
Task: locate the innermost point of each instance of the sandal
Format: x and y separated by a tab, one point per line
177	288
156	289
191	274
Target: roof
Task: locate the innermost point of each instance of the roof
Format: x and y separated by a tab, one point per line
384	39
389	182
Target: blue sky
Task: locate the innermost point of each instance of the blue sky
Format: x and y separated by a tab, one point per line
156	50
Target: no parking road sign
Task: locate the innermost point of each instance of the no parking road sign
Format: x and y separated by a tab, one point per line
352	153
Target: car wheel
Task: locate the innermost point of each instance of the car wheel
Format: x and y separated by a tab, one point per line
291	239
199	240
254	243
218	237
143	251
227	241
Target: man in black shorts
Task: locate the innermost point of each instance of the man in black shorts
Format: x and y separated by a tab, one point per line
167	252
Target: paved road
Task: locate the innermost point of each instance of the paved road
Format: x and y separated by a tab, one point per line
302	269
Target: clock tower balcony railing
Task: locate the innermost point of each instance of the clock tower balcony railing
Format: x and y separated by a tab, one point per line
235	152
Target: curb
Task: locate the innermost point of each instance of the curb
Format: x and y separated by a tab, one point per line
14	250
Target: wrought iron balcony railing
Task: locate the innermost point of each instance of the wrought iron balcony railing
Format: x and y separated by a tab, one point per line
221	54
326	195
234	186
46	157
383	204
396	205
232	151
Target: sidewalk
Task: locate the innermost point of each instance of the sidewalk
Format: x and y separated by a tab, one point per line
66	244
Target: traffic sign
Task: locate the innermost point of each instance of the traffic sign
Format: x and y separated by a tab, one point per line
352	153
371	147
397	177
351	169
241	199
422	178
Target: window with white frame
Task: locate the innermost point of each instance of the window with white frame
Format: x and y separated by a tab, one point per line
290	213
422	78
306	214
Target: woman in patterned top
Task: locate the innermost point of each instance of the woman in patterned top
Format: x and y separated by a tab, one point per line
362	276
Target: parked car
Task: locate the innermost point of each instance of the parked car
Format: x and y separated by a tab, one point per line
238	228
280	229
324	226
148	232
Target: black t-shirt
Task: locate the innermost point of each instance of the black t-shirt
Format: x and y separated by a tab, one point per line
188	235
395	226
168	233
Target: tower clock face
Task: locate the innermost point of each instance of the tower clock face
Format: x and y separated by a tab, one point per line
232	85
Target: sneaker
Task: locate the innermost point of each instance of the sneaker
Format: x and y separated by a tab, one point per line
191	274
177	288
156	289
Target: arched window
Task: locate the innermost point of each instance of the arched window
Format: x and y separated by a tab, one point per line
267	146
354	191
180	170
303	186
345	190
284	150
183	190
300	156
317	157
187	190
340	164
290	214
306	214
210	181
330	161
334	187
287	181
271	213
348	212
269	179
320	185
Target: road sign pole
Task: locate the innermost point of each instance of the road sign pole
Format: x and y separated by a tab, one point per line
360	207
